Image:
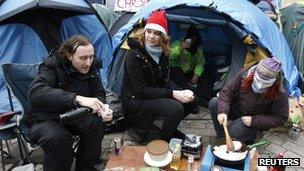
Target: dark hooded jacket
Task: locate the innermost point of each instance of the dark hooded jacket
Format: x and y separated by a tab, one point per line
54	90
143	79
265	112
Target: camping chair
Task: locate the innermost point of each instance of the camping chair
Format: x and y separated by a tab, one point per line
7	132
18	78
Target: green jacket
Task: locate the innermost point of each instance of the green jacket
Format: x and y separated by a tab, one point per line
188	63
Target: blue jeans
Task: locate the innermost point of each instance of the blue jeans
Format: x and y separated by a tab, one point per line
237	129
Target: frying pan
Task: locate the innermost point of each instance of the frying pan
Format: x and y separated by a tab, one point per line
222	141
244	148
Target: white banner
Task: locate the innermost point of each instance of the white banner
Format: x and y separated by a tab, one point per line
129	5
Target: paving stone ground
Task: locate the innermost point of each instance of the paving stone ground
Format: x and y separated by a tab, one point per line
199	124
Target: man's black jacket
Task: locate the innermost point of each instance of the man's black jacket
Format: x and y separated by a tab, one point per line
54	90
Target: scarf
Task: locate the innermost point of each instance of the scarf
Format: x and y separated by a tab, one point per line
155	52
261	82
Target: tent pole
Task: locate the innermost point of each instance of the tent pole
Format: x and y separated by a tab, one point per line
10	99
279	14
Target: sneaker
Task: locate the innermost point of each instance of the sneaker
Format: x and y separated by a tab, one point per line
32	147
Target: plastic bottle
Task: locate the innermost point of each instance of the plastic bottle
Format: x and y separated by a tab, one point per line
294	132
176	157
190	163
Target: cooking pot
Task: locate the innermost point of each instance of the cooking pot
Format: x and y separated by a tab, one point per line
244	149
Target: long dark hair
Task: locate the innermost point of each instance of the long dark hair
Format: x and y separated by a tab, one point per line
70	46
192	31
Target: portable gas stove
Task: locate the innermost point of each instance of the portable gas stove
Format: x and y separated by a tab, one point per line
211	163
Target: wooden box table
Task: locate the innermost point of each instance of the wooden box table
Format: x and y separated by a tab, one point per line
133	157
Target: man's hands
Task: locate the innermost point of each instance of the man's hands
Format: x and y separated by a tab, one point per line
222	118
106	113
90	102
184	96
97	106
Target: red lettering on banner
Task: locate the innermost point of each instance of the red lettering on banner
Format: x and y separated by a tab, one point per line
119	4
138	3
129	5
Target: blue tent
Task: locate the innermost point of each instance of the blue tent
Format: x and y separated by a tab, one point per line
224	25
30	29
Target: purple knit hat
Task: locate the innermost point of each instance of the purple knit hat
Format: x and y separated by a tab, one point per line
272	64
271	67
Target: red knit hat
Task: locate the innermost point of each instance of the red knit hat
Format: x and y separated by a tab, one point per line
157	21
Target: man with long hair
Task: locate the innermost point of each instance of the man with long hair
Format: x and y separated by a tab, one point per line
68	79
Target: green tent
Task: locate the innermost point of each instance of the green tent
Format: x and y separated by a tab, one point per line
107	15
293	29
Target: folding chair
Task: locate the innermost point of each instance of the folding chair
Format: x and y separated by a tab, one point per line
18	78
7	132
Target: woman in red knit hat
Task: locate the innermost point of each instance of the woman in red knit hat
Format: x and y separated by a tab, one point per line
147	91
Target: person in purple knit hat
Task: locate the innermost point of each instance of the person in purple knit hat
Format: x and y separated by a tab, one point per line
254	100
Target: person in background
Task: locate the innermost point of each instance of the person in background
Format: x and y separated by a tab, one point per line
254	100
147	91
267	7
187	60
68	79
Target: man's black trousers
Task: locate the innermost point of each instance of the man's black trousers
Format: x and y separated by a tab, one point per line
56	141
